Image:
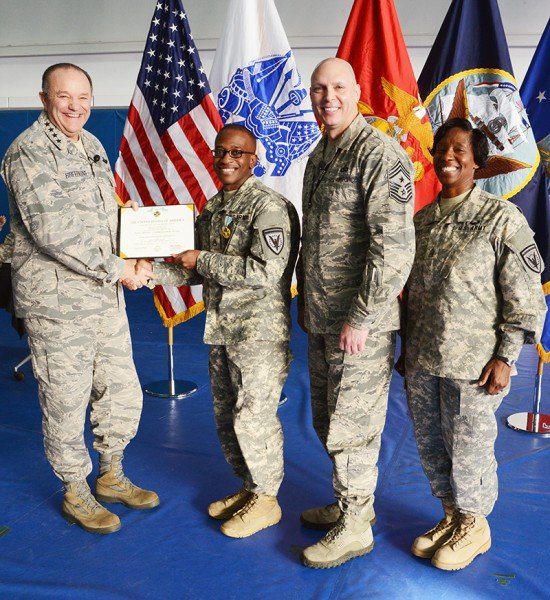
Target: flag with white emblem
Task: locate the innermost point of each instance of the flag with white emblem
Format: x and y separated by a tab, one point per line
256	84
470	75
171	127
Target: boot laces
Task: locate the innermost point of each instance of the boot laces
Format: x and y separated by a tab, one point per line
443	524
467	523
250	503
232	497
338	529
119	472
85	496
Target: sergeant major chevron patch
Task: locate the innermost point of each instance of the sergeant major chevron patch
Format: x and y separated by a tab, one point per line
400	183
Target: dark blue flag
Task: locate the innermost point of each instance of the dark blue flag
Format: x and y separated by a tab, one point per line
535	89
535	93
471	37
469	74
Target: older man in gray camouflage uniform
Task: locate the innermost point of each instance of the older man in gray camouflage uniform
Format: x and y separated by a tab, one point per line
247	240
65	277
357	250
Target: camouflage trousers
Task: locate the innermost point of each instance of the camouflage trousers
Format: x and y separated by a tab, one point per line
84	361
247	379
349	397
455	428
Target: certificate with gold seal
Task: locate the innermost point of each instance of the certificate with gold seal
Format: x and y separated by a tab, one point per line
156	231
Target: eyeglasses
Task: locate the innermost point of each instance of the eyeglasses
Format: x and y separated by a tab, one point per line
233	153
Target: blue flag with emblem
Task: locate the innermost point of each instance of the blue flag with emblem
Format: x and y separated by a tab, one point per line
535	93
468	73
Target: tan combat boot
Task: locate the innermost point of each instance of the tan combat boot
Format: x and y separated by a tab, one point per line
228	506
114	486
258	513
426	545
80	507
349	538
326	517
471	538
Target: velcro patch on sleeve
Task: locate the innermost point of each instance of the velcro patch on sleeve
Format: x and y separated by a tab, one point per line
399	180
275	239
523	243
532	258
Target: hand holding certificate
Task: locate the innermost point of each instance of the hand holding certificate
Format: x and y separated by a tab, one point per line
156	231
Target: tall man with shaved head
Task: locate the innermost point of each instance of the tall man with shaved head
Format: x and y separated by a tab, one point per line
357	251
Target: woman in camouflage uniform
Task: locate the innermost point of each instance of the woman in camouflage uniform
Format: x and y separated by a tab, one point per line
473	299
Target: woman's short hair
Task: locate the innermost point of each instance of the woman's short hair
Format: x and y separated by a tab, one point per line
480	143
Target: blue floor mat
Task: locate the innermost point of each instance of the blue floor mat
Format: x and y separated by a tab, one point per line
177	552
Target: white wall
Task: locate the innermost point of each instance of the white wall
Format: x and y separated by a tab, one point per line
106	37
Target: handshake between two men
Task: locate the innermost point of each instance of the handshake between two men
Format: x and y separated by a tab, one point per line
138	272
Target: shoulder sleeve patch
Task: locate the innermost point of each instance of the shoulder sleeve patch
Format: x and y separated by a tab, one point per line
274	238
532	258
523	244
399	180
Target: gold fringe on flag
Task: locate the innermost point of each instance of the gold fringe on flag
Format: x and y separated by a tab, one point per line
544	355
180	317
191	312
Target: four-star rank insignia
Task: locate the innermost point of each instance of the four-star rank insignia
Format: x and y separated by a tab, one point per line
532	258
275	239
399	180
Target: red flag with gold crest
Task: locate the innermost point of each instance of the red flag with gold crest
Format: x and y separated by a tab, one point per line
373	44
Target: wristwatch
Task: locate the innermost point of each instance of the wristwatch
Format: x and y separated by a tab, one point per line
508	361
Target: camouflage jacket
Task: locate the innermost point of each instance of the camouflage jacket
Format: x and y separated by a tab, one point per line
6	248
358	234
64	220
249	246
474	290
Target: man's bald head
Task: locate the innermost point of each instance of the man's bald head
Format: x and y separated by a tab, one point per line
334	95
335	63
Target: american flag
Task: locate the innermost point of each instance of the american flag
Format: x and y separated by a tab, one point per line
172	122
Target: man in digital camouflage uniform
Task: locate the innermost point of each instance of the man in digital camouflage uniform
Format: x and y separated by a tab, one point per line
473	299
65	273
247	245
357	250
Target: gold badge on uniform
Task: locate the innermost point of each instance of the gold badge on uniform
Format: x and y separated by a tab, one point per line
226	229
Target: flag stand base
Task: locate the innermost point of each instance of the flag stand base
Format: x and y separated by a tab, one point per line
535	422
171	388
177	389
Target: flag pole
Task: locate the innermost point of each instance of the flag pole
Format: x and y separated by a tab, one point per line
535	423
173	388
